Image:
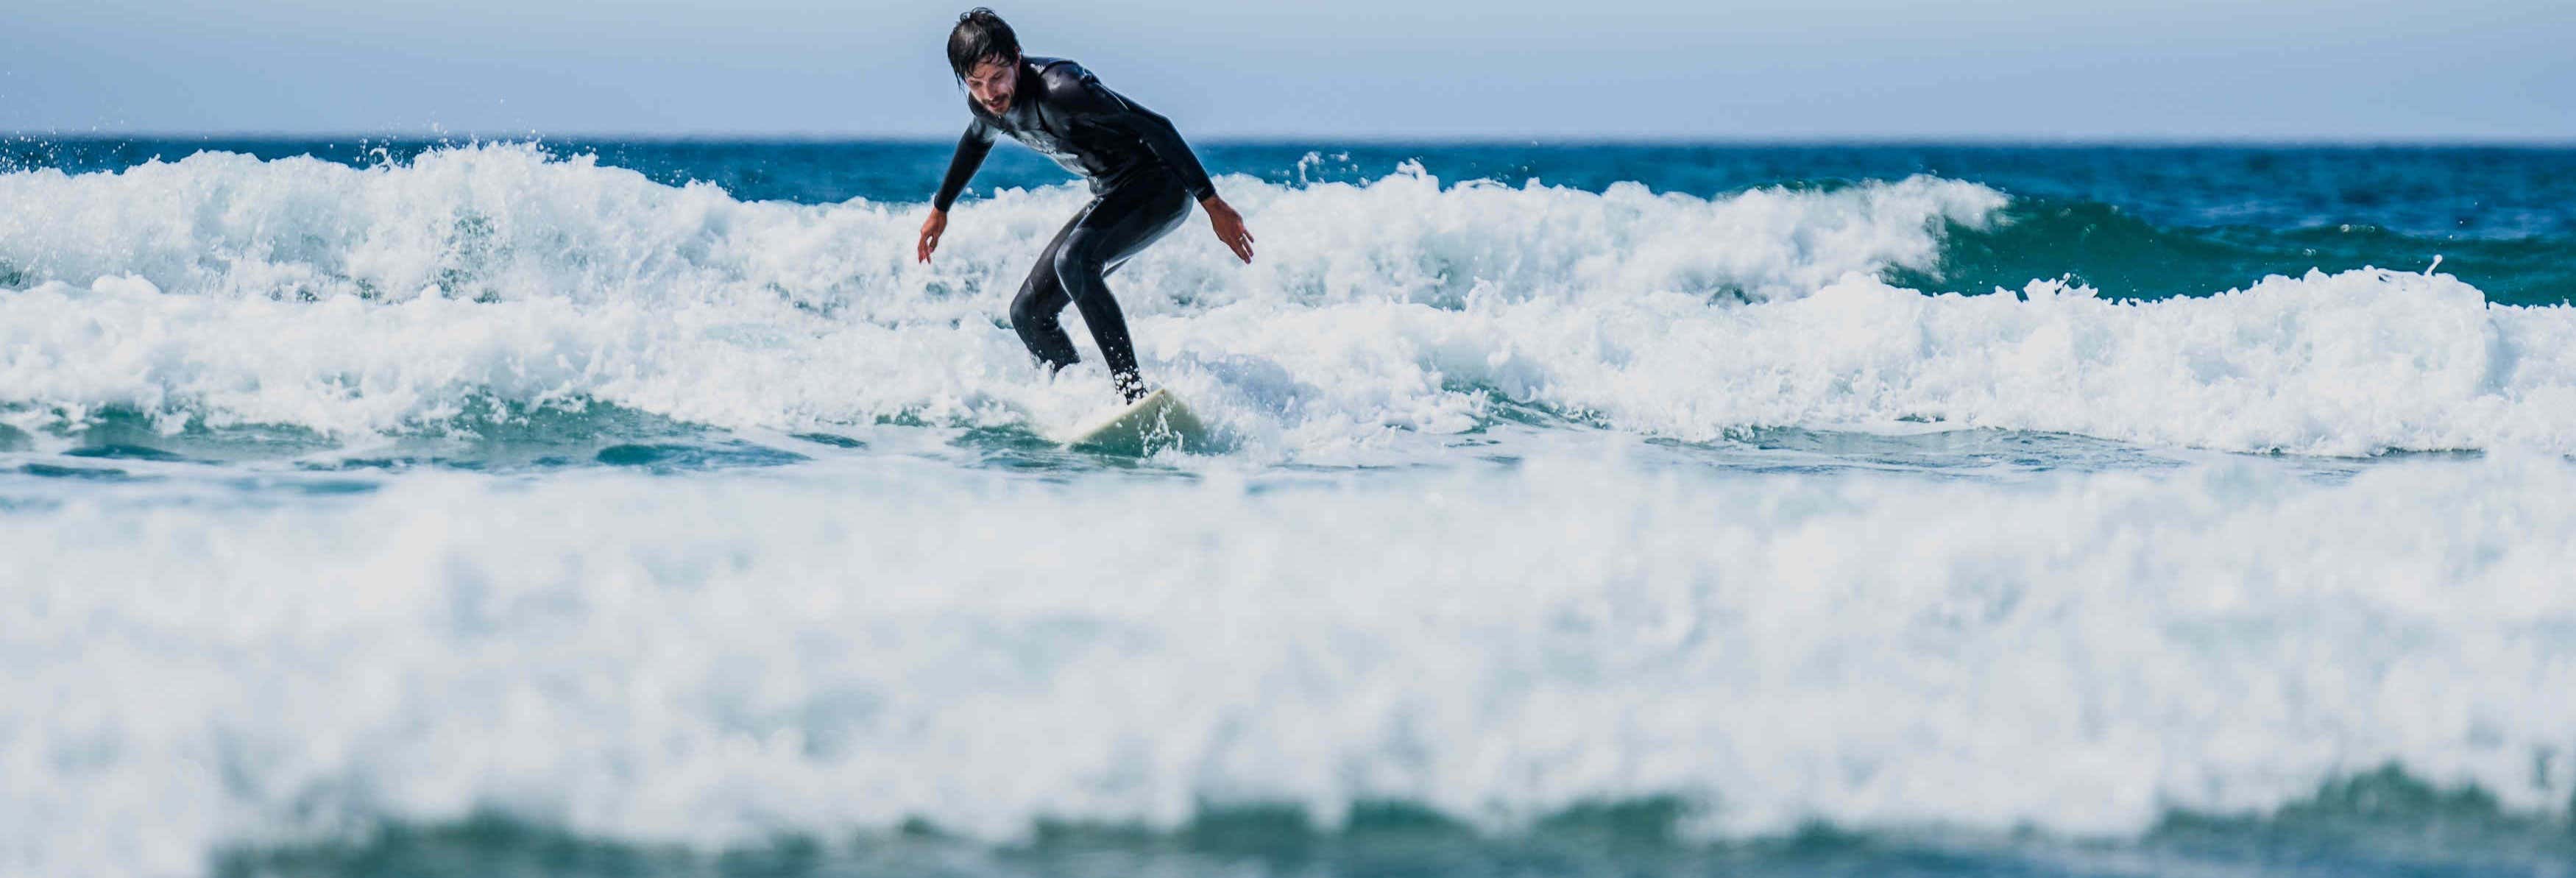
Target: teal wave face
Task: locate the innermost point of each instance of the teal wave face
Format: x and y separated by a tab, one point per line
2379	823
2123	256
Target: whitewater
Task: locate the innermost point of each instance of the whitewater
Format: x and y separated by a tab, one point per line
505	480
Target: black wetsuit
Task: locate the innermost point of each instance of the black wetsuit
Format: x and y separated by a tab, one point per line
1143	178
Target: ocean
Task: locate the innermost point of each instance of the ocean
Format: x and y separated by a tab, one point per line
565	508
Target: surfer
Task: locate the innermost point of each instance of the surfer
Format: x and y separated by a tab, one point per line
1143	178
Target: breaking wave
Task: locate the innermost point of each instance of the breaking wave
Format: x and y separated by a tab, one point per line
225	290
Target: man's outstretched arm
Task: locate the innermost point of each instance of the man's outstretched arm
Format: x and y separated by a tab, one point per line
971	149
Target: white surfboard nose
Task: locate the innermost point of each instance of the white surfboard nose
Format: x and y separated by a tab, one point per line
1157	421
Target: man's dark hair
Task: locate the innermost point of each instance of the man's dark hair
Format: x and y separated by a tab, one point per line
980	34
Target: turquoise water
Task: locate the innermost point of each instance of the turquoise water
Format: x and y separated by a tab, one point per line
641	508
2380	823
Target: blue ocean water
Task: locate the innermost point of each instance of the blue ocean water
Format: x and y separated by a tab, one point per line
618	508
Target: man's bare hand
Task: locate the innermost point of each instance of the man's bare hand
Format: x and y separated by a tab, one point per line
1229	227
933	227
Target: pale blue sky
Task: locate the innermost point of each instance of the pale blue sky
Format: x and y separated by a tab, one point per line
2014	69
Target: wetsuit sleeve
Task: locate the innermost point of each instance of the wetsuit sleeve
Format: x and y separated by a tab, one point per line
1094	104
971	148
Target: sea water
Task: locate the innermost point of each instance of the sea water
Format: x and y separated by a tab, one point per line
620	508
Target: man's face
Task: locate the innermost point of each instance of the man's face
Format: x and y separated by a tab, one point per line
991	82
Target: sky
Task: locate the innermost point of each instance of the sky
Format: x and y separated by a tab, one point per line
1360	69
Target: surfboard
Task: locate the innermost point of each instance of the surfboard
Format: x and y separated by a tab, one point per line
1145	426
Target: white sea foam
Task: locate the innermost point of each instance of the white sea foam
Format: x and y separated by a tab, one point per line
856	640
713	659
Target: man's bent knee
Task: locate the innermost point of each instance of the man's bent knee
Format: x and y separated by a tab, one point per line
1078	272
1024	310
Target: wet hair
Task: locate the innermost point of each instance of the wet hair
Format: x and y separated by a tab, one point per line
980	35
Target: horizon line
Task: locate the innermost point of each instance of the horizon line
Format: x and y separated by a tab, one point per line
1372	139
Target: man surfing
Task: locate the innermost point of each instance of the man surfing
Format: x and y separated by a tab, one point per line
1142	176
